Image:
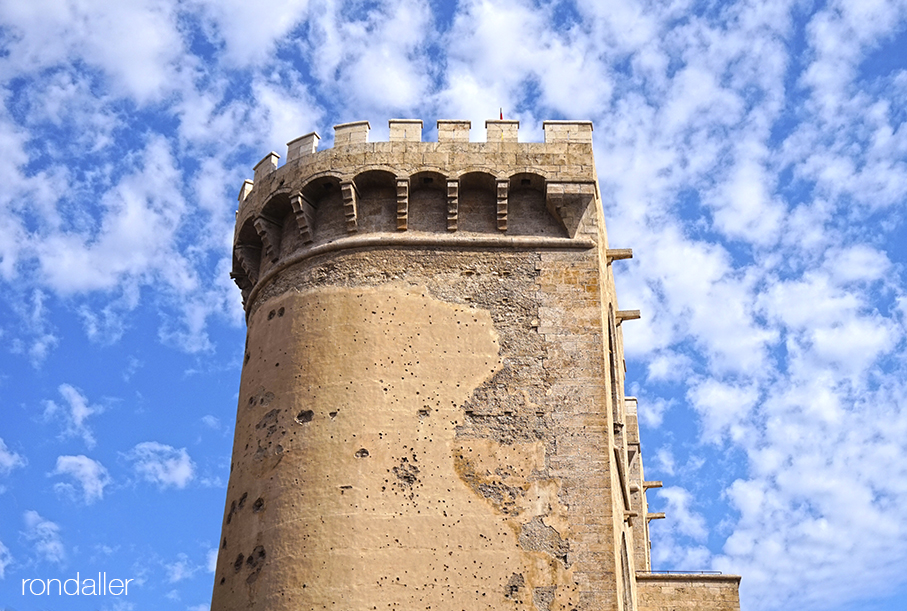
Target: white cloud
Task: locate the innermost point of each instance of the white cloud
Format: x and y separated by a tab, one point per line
506	54
91	475
106	324
282	112
743	205
6	559
211	422
9	459
671	536
211	560
828	324
664	461
668	366
357	55
39	338
180	569
819	491
652	411
774	290
839	36
132	366
725	409
250	34
65	100
137	44
135	241
856	263
162	464
45	536
136	234
690	289
74	414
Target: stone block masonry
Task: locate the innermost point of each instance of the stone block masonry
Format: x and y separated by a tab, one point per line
703	592
431	409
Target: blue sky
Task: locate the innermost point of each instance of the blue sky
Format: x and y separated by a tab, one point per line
753	154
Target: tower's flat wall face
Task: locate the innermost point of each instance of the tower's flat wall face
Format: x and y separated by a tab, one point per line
671	592
425	416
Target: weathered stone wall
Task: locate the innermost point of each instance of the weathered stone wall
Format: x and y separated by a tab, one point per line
420	380
678	591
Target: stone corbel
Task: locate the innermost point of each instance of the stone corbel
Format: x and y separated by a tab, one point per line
402	204
567	202
248	258
503	185
453	204
269	231
655	516
241	279
622	315
350	205
616	254
305	215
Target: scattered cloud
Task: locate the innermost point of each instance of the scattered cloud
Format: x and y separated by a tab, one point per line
6	559
73	414
9	460
683	518
138	53
654	410
724	408
355	54
211	560
44	535
249	35
89	474
753	154
208	420
39	336
162	464
181	569
132	366
664	461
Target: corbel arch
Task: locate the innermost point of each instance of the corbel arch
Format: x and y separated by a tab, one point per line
247	249
478	202
377	200
427	201
323	195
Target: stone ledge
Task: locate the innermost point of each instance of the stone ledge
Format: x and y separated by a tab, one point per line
704	577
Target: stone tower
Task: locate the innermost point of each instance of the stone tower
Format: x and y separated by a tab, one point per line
432	412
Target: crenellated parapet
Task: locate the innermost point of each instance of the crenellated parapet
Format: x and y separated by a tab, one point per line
453	192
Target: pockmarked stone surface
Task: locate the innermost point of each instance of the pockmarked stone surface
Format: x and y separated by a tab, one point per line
431	413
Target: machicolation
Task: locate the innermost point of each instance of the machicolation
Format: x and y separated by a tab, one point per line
430	194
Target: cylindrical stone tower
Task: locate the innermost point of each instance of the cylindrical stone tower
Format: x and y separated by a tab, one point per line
431	413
